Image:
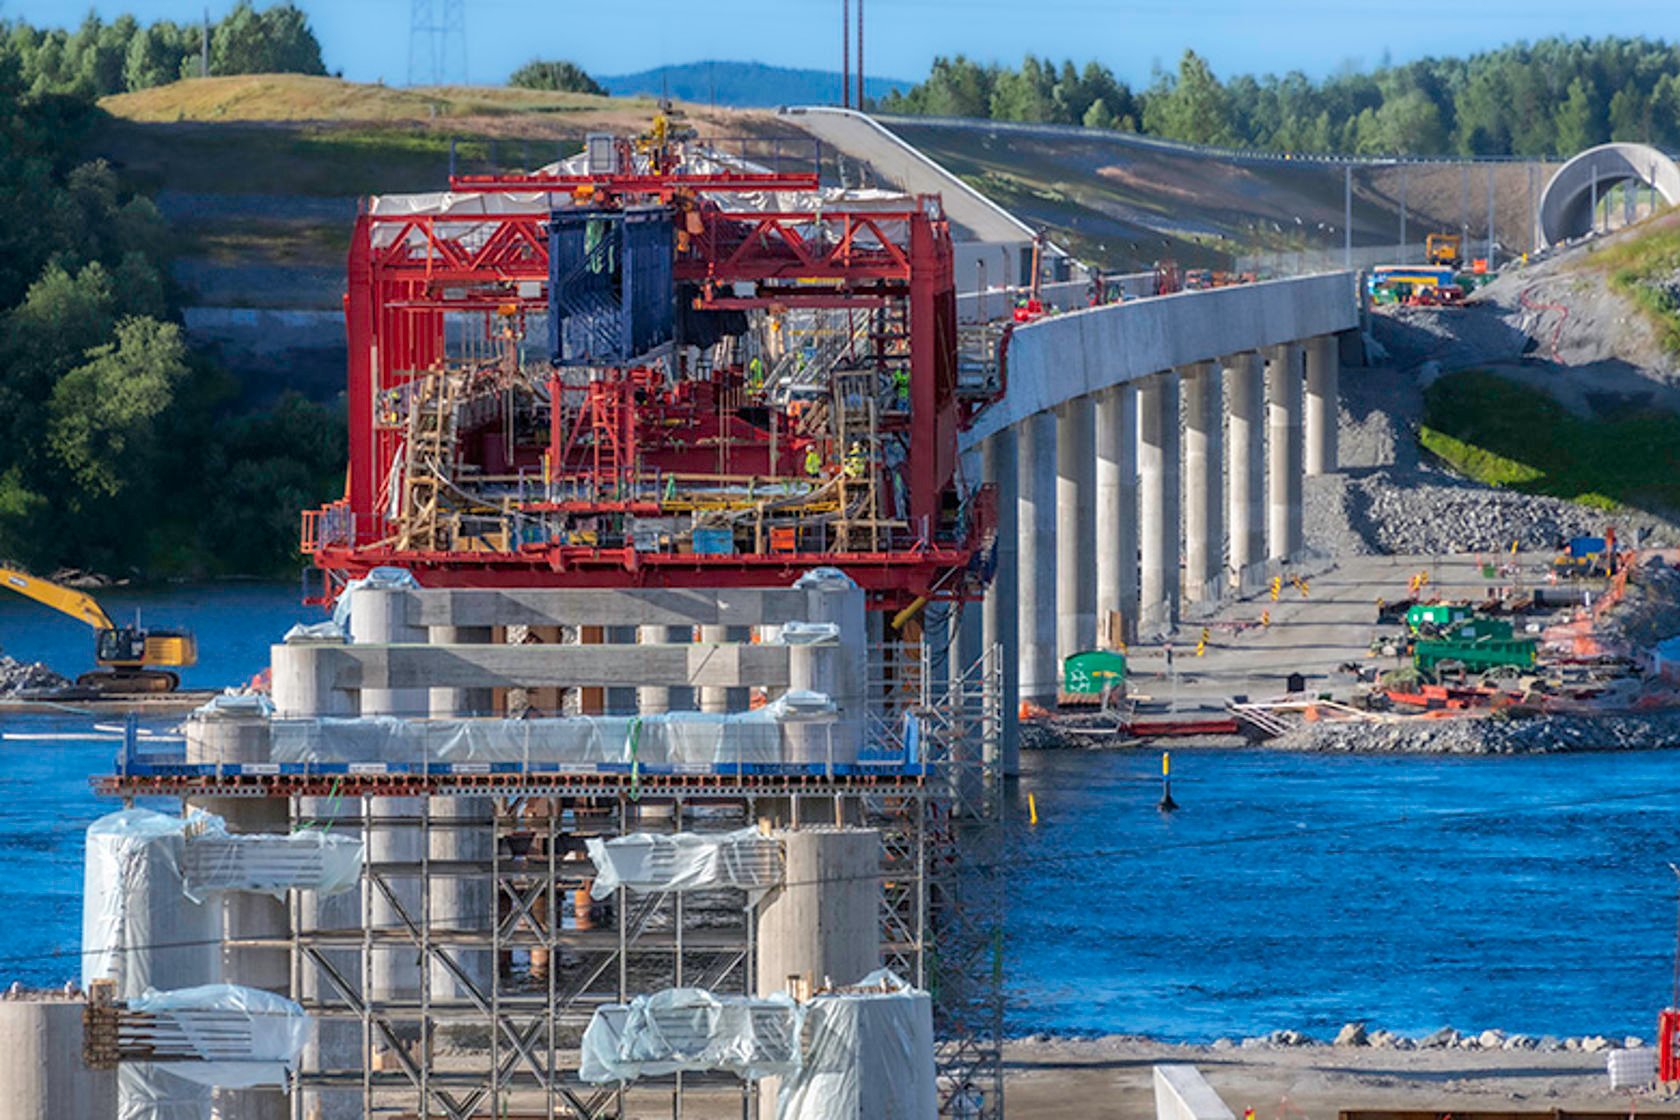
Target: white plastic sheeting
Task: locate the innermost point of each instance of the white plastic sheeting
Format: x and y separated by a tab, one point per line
671	738
269	863
685	861
149	920
152	1091
139	927
867	1054
691	1030
328	631
379	579
243	1037
249	704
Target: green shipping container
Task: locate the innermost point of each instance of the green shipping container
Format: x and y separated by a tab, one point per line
1088	673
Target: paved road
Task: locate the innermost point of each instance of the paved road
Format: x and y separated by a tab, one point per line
908	170
1311	635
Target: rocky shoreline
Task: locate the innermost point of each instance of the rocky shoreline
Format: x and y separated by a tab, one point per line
1358	1035
1489	735
1461	736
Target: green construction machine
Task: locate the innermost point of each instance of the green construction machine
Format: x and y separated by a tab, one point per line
1478	644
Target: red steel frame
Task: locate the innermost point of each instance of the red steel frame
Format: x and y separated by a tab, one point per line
429	264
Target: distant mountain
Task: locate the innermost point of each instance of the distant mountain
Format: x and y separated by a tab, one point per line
743	85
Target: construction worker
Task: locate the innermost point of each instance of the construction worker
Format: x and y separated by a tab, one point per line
855	461
755	374
813	460
901	385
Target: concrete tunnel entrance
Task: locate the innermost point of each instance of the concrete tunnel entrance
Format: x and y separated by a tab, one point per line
1566	205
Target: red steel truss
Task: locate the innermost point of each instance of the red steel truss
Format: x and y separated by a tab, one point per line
407	271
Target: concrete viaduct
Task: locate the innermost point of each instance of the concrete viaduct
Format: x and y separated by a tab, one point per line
1151	453
1569	204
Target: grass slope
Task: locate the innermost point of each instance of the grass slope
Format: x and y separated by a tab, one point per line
1504	434
297	97
1642	267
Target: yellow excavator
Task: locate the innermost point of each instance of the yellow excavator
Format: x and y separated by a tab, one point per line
131	659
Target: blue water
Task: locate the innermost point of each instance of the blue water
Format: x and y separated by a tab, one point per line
235	624
1302	892
1290	891
46	802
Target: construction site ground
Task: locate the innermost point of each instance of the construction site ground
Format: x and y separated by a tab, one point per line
1254	645
1104	1078
1110	1078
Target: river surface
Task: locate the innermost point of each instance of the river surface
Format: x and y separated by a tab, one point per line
1289	891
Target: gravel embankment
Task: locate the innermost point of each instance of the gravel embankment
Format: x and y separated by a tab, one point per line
1538	735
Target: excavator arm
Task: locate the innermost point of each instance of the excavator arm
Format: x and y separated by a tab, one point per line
63	599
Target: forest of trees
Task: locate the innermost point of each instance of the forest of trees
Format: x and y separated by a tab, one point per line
98	59
120	447
1556	96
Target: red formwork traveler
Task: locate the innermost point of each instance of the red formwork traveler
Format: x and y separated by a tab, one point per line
683	468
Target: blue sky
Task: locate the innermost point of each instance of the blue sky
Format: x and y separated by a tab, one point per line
368	39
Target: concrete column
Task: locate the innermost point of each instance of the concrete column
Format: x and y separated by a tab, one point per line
463	829
1000	623
654	700
41	1063
301	691
302	687
1158	499
1246	490
378	617
1076	531
838	668
1036	522
1323	392
1204	494
1283	451
164	941
825	922
714	699
621	699
455	703
1117	507
217	736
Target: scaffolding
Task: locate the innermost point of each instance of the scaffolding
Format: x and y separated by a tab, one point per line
461	983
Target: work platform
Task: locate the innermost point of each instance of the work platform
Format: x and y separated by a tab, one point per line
456	978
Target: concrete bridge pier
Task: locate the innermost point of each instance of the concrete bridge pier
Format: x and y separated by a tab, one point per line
1246	476
1000	624
1204	523
1036	506
1158	501
1076	537
1117	508
1323	391
1284	530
